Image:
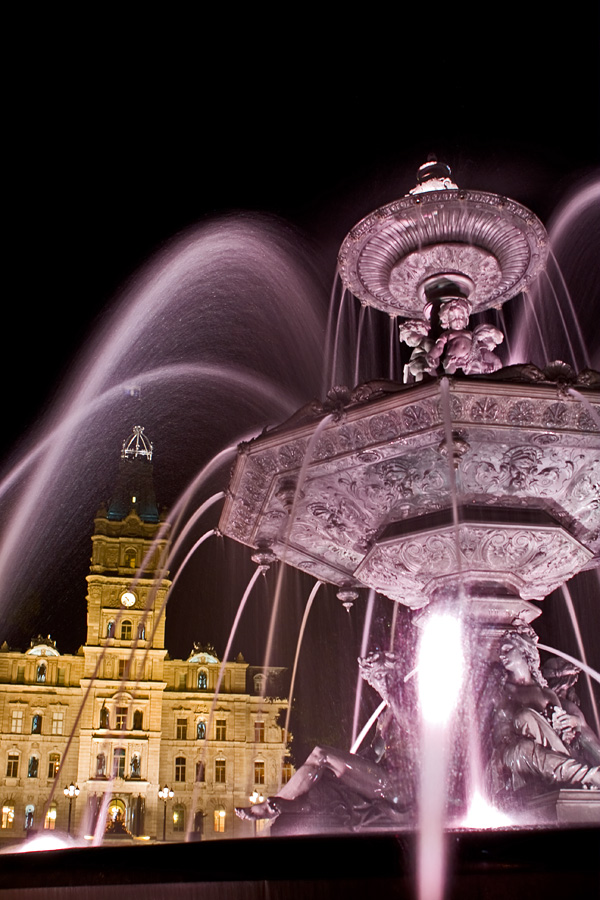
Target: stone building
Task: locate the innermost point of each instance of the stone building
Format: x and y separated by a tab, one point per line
120	719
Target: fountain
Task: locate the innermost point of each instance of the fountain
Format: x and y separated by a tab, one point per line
468	490
464	494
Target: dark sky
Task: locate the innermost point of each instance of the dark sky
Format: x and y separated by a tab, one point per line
116	147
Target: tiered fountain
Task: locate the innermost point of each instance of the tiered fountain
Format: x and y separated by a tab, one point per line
469	490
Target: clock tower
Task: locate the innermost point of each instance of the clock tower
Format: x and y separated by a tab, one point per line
128	584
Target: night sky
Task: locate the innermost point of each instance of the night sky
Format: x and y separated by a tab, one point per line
117	148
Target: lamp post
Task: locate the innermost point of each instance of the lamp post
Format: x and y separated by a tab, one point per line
71	792
165	794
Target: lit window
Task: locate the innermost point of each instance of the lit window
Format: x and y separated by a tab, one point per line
36	724
121	718
50	820
41	673
259	732
12	765
220	771
119	763
58	722
181	729
126	630
219	820
286	773
32	768
178	818
221	730
201	730
202	680
180	768
8	816
130	555
259	772
16	725
53	765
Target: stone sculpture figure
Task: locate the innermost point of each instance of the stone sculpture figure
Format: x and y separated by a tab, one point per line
414	333
464	349
374	790
532	733
562	676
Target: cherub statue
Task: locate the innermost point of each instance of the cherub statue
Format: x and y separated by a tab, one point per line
414	333
464	349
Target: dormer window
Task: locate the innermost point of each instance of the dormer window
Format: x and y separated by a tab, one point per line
41	673
202	679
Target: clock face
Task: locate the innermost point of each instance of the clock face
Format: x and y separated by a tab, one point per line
127	598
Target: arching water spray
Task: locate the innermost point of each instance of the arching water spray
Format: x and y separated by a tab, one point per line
307	609
363	652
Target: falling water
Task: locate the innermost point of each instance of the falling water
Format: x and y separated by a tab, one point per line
307	609
581	647
363	652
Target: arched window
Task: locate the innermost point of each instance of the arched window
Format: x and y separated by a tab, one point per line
126	630
138	720
50	818
119	763
41	673
259	682
36	723
201	730
179	817
53	765
141	632
103	717
29	811
33	767
202	680
101	765
131	558
180	768
219	819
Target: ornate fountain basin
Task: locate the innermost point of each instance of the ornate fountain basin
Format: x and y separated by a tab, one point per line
374	506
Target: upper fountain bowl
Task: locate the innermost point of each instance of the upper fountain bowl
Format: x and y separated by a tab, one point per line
472	244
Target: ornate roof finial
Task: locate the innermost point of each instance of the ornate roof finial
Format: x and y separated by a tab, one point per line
137	445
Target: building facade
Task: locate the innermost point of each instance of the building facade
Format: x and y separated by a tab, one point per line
120	720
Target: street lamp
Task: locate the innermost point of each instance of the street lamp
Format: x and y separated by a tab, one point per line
165	794
71	792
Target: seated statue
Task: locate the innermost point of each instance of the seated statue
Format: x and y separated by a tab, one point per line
374	790
532	733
